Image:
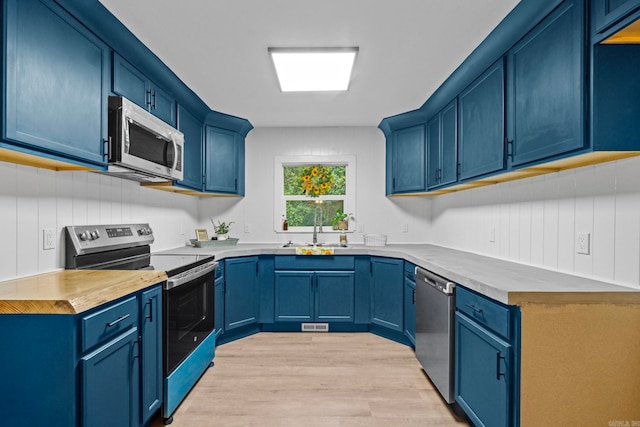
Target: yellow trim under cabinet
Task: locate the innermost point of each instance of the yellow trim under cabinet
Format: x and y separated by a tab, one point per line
11	156
168	186
587	159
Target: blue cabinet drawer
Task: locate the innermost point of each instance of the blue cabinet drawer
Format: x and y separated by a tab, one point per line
108	322
485	311
321	262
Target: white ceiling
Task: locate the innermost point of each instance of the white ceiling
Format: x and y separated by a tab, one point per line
219	49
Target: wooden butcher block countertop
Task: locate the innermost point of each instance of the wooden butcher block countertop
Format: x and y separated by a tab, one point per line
72	291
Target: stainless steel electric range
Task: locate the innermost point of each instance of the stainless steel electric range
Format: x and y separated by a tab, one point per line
188	297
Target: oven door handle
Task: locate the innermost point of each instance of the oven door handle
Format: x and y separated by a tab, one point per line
183	278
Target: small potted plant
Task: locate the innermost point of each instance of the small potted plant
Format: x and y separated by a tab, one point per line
340	220
221	229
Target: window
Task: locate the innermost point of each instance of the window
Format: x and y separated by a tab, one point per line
313	188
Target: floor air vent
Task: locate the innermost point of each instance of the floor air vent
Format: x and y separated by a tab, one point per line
315	327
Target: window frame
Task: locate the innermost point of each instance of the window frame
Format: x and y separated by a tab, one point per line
280	199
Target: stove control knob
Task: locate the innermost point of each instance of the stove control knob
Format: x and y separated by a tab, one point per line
149	230
84	236
95	234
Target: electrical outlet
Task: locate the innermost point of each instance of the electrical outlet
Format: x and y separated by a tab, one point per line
48	239
405	228
247	228
584	243
492	234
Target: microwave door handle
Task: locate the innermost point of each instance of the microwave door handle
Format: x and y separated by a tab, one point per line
175	153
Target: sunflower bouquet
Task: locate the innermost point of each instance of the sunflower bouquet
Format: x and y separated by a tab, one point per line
315	180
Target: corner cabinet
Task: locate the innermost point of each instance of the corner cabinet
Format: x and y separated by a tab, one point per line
129	82
387	300
56	77
487	351
241	302
104	366
547	87
224	161
407	150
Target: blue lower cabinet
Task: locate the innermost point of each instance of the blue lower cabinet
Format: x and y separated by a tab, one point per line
92	376
314	296
387	299
241	292
219	300
487	359
151	353
410	310
109	383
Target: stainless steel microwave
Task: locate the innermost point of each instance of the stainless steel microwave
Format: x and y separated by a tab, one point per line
141	146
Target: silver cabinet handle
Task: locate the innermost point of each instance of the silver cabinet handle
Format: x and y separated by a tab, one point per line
118	320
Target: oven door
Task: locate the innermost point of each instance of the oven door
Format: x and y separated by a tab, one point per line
188	314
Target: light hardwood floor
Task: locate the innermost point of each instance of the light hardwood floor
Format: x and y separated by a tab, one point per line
313	380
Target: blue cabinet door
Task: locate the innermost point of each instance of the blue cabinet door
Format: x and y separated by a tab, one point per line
223	150
410	309
110	385
219	306
294	296
546	88
241	292
334	296
605	13
481	136
192	129
162	105
442	150
56	83
131	83
408	159
483	374
151	353
387	293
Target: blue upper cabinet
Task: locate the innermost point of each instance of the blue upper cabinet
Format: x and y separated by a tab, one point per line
135	86
56	84
224	154
442	155
408	160
546	88
193	129
606	13
481	137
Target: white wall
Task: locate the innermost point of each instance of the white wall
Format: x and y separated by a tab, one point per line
537	220
33	199
375	212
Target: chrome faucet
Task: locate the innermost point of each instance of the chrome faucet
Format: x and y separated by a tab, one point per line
317	227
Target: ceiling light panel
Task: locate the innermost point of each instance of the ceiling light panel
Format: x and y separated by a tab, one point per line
313	69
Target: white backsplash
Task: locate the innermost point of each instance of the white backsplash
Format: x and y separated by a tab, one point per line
34	199
535	221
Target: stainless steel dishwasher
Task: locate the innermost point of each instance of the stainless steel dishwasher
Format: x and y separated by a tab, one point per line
435	329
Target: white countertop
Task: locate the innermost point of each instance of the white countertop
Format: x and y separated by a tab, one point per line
507	282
